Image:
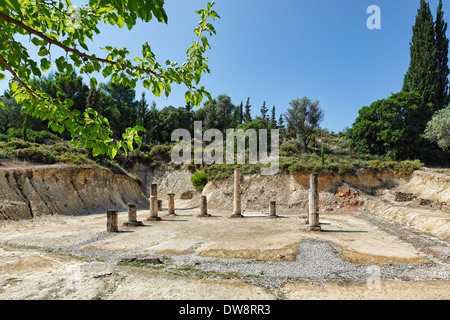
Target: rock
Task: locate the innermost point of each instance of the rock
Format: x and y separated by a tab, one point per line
424	202
187	195
404	197
146	260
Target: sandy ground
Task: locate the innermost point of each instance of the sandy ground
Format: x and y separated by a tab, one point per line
33	264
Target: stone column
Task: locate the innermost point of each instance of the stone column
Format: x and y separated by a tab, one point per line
237	209
204	208
273	209
132	217
313	219
171	204
112	221
154	203
159	205
153	209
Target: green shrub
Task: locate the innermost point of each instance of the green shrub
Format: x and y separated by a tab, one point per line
347	168
33	136
71	158
288	149
59	149
161	151
17	144
36	154
199	180
219	171
377	165
407	167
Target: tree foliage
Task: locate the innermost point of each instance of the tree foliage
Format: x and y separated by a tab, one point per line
443	71
428	70
393	126
304	118
52	24
438	129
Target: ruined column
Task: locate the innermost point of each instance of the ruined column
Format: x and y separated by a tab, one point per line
154	203
132	217
237	209
273	209
159	205
112	221
153	209
313	214
204	208
171	204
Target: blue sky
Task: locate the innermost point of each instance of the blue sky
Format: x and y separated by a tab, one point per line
276	51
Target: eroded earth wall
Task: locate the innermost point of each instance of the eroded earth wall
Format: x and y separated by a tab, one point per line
67	190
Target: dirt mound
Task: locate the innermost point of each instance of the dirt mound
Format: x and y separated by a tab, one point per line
429	185
71	190
289	190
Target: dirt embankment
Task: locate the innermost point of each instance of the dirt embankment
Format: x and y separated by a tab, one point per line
289	190
429	185
421	203
72	190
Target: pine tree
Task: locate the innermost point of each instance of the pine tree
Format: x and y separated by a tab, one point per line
281	121
248	114
442	43
273	121
240	113
264	111
422	73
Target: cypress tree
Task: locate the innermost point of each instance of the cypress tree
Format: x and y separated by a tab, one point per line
264	111
241	113
272	118
442	59
248	114
422	73
281	121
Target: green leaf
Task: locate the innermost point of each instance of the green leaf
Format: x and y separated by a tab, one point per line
43	52
2	105
69	103
113	152
54	126
13	5
38	42
2	76
13	86
61	64
75	143
93	82
45	64
96	151
138	140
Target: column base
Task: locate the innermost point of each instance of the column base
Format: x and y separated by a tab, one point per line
318	229
204	215
272	217
236	215
133	224
154	219
171	215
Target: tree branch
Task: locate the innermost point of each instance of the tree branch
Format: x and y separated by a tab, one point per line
5	63
68	49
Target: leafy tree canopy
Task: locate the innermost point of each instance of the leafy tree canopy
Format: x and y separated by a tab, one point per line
53	23
438	129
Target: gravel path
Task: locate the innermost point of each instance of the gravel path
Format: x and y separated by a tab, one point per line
316	261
